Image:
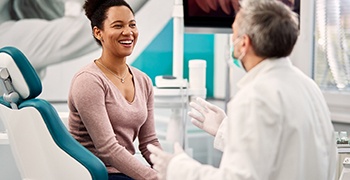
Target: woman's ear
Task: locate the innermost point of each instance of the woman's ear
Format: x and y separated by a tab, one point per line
97	33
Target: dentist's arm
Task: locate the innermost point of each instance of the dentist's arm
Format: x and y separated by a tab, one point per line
211	119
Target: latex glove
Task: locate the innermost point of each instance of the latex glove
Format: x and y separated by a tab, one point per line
206	115
161	159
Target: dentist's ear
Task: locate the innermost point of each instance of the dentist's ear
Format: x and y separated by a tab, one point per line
245	39
246	42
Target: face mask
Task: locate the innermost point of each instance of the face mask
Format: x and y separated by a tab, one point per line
236	61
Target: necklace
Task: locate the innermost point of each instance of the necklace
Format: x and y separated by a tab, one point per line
122	79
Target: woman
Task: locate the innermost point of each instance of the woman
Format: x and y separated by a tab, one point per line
110	102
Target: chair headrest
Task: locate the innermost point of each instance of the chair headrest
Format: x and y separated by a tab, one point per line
24	78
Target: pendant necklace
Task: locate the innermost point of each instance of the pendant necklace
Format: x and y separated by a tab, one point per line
122	79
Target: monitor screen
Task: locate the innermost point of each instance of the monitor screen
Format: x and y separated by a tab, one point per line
215	16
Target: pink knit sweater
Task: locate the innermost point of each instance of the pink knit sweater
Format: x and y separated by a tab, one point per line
103	121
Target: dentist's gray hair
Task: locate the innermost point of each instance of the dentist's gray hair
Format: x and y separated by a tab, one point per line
271	25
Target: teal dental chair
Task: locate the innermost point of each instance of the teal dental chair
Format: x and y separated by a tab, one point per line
41	144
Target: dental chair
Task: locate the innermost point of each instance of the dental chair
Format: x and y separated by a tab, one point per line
41	145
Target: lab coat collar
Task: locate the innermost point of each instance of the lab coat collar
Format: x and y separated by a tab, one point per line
260	68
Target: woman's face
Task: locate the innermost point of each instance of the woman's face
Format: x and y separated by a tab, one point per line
119	34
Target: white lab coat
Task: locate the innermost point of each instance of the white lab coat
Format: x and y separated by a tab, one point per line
278	128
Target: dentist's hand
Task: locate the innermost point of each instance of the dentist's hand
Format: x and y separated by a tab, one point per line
208	116
161	159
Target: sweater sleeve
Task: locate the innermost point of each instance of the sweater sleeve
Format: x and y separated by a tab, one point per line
88	95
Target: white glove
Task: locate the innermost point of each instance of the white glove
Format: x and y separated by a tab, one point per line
161	159
209	117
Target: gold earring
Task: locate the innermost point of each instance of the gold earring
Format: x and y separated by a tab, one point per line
99	38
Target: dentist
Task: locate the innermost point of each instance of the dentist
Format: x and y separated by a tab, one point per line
278	125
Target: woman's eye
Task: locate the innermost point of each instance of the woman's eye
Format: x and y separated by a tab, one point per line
118	26
132	25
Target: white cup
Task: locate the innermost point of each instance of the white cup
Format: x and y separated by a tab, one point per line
197	73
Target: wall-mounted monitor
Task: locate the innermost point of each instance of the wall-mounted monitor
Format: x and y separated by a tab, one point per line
215	16
208	16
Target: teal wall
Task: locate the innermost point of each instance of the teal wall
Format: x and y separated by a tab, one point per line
156	59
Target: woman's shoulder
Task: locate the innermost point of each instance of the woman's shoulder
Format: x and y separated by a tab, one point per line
142	80
89	70
139	75
137	71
